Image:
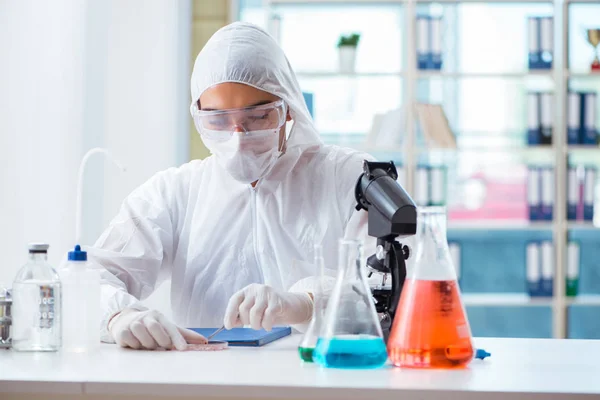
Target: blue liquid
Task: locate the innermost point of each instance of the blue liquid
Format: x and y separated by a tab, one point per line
351	351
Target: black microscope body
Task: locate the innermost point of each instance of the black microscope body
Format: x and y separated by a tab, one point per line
392	214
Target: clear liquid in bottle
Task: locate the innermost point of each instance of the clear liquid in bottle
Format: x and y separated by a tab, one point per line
36	307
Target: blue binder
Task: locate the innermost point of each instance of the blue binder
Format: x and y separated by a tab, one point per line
588	133
423	45
534	47
308	99
246	337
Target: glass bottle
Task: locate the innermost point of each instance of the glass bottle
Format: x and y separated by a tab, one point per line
5	316
351	336
36	308
430	328
309	340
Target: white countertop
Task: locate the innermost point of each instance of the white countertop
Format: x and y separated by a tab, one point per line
517	369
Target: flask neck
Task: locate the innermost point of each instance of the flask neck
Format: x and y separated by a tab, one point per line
350	259
38	256
432	224
433	261
318	293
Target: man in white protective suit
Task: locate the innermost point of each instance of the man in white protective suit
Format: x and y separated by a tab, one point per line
234	232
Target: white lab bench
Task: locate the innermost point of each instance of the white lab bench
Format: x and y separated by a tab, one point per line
517	369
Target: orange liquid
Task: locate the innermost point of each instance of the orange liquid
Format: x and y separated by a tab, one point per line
430	327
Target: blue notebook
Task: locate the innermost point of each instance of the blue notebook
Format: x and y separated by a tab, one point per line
246	336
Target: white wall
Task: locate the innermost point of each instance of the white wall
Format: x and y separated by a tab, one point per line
77	74
41	119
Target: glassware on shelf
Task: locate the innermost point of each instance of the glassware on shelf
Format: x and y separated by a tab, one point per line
309	340
593	38
351	336
431	329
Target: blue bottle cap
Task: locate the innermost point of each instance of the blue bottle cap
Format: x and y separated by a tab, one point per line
481	354
77	254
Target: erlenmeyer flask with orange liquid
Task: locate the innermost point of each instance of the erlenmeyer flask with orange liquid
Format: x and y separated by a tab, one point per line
431	329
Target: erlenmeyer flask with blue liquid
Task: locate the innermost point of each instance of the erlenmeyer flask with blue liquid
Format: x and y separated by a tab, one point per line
351	336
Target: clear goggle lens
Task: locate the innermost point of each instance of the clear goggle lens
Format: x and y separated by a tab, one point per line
270	116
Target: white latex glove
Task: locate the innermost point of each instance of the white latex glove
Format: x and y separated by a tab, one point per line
150	330
261	306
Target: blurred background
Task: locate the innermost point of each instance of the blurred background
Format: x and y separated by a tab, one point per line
487	107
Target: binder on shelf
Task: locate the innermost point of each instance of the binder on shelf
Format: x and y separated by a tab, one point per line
533	193
546	117
589	187
435	126
422	186
422	41
533	119
274	27
546	42
454	248
308	99
589	133
581	191
572	194
533	50
572	269
533	269
573	117
436	37
547	198
437	178
547	280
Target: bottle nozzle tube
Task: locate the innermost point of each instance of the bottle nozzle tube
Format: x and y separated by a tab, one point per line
82	166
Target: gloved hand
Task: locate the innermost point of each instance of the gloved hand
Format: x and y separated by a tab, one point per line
150	330
262	306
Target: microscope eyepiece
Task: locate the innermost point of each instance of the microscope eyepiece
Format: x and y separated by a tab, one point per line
392	212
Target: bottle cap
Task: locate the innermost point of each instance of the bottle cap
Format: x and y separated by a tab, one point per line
481	354
77	254
38	247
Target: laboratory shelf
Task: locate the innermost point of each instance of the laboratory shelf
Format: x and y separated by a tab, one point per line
512	149
582	225
484	1
498	281
582	75
521	149
423	74
401	2
584	300
504	300
504	225
341	2
381	149
582	1
582	148
335	74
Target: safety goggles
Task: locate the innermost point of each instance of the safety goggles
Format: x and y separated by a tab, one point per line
223	123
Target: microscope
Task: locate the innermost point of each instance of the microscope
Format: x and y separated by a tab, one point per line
392	214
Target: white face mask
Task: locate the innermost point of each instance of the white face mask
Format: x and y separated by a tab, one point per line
247	157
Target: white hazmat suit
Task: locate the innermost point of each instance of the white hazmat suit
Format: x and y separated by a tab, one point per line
212	235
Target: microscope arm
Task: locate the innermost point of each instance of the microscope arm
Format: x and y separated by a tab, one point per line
397	265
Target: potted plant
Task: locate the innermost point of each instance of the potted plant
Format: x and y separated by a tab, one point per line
347	52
